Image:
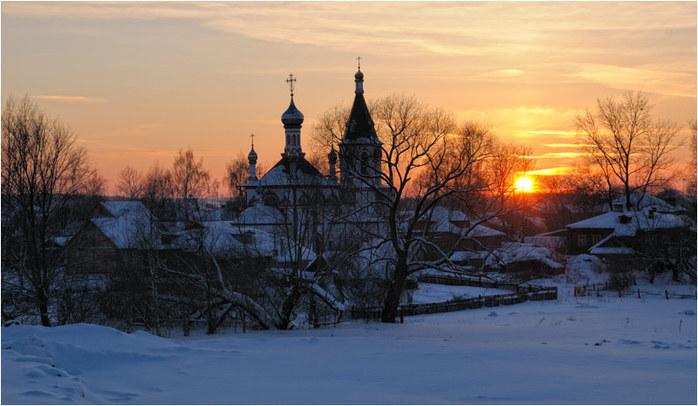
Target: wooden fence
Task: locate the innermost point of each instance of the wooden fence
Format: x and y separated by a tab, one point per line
596	289
521	294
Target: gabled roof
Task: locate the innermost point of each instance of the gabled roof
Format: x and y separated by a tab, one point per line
130	225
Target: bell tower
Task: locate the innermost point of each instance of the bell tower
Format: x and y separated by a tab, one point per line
360	149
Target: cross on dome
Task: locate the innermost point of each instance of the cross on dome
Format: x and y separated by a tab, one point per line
291	79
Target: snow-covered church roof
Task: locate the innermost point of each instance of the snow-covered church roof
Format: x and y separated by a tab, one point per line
280	175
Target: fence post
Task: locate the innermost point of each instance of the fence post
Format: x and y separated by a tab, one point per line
638	293
666	293
402	317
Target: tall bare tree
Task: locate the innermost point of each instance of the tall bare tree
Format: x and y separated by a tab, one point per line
189	177
43	173
631	147
131	183
422	160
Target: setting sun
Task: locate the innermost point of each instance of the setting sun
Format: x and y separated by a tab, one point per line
524	184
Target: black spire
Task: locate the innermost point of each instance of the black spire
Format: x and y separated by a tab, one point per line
360	123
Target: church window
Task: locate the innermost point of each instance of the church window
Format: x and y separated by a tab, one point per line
364	163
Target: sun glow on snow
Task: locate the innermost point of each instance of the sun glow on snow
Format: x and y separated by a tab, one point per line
524	184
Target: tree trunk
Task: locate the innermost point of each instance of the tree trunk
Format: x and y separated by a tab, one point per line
392	299
287	308
42	303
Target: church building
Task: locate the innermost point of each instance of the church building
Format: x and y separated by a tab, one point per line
302	194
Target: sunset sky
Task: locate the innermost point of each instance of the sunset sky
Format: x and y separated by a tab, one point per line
138	81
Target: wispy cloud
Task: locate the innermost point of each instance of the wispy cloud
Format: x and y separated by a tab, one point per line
558	155
656	79
504	73
70	99
558	170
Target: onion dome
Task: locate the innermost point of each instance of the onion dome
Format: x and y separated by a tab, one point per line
292	117
252	156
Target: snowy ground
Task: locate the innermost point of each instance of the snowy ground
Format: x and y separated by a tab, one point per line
435	293
577	350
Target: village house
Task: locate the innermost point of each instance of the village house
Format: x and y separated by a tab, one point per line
655	230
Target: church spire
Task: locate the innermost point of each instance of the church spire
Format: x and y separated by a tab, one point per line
292	119
360	124
252	159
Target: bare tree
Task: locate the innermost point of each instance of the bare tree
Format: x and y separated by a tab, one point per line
189	177
131	183
237	173
43	173
158	190
329	129
630	146
422	160
693	139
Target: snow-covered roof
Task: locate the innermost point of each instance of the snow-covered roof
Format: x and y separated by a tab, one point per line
130	224
468	255
629	222
305	174
228	239
261	214
611	251
645	202
444	220
520	252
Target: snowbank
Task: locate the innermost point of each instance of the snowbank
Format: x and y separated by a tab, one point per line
577	350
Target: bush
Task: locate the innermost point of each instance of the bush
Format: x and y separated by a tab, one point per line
620	281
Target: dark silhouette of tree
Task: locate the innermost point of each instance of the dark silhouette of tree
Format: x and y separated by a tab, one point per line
631	147
43	173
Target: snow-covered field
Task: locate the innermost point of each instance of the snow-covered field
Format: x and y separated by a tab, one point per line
577	350
435	293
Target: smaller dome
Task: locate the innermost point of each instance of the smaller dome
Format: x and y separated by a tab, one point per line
359	75
252	156
292	116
